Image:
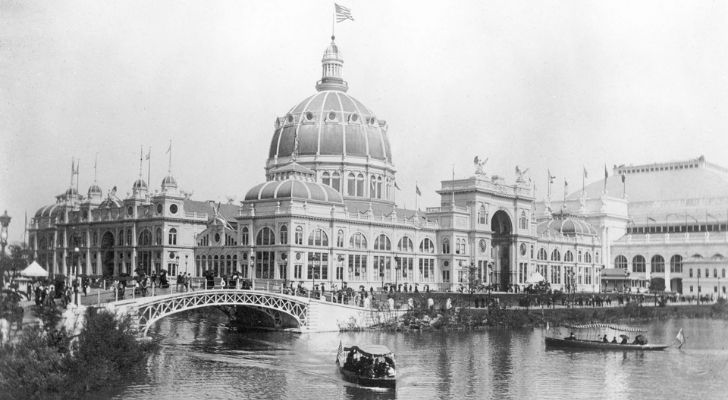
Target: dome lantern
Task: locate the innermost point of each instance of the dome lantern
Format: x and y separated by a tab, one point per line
332	66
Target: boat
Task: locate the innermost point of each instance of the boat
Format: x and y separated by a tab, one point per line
593	331
369	365
595	344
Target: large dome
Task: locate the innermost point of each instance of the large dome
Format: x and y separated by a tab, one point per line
330	123
290	189
337	137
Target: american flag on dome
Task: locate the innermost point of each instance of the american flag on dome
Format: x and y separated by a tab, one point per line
342	13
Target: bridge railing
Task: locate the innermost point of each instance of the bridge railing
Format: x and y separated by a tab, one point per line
101	296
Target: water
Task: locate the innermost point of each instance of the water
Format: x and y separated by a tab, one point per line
200	358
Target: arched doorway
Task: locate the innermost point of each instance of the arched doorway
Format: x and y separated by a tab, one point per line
501	227
107	254
676	285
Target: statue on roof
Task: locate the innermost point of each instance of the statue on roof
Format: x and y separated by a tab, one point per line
479	165
520	174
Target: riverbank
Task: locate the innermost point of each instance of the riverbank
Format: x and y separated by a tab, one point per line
457	318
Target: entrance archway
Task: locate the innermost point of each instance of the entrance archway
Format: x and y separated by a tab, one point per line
502	228
107	254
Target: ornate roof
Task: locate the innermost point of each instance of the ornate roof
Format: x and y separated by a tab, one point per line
330	123
564	224
291	189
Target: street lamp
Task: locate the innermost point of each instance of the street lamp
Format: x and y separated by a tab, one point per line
75	274
187	256
4	221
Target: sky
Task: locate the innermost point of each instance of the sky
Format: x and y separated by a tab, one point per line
549	85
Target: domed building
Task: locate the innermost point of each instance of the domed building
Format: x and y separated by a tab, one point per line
341	140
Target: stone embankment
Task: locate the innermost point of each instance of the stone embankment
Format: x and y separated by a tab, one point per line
423	318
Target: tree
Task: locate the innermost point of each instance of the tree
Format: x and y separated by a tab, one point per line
17	261
657	285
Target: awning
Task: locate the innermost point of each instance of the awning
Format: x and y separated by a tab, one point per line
34	270
614	273
535	278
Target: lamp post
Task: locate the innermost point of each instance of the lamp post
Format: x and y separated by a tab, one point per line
4	222
187	256
74	276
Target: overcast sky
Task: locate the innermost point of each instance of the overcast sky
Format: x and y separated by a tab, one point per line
544	85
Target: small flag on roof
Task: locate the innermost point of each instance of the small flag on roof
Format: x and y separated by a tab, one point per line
342	13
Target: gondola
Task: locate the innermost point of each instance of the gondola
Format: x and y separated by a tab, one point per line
595	330
595	344
367	365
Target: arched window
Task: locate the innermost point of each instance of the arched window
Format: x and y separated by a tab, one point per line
145	238
358	241
587	257
318	237
336	181
360	185
382	242
158	237
172	236
298	239
676	263
620	262
245	236
426	246
445	246
128	237
351	185
326	179
340	238
555	255
638	263
482	216
265	237
579	258
405	244
657	263
379	187
121	237
568	256
596	257
523	221
542	255
283	233
373	186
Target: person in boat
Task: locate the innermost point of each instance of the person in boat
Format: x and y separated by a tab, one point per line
571	336
625	340
640	339
604	339
614	339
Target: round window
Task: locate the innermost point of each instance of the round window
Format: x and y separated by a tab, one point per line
159	208
289	118
523	249
354	118
173	208
129	211
217	237
332	116
309	116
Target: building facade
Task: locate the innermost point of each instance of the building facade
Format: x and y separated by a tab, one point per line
326	214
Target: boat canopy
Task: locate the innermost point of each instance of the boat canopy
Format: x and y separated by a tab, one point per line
609	326
373	350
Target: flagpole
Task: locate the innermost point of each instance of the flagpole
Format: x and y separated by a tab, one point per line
453	187
416	202
77	165
333	24
149	167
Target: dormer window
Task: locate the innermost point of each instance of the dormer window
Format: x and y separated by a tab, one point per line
309	116
354	118
331	116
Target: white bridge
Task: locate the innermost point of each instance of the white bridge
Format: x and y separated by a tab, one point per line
311	315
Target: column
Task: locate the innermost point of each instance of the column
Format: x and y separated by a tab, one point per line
667	275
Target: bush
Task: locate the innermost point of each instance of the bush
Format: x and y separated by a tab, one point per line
48	365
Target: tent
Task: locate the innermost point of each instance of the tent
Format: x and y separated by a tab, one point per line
34	270
535	278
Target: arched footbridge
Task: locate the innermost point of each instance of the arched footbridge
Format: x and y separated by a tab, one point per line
311	315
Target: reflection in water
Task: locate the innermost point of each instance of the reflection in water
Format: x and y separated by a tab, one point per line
200	358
